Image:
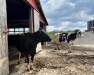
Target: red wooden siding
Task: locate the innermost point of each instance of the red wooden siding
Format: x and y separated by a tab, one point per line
41	18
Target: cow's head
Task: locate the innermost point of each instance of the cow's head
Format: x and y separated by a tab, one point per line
43	36
64	37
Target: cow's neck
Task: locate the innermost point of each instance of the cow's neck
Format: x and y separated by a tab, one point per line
36	37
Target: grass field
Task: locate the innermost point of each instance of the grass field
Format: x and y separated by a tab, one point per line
51	34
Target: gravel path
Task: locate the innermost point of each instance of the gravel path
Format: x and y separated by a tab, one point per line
87	39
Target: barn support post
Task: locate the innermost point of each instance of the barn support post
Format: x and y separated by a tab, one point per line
4	63
31	20
24	29
14	31
44	27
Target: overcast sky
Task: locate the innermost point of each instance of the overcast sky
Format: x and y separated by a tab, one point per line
68	14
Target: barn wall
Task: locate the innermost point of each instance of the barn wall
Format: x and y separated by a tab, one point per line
36	27
36	20
4	66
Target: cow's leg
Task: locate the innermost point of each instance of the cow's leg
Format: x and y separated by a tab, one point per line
27	57
69	48
72	42
25	60
31	64
58	47
19	54
55	47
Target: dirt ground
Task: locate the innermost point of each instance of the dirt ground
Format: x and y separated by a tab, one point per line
54	62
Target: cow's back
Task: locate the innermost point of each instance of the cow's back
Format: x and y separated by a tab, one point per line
19	44
24	43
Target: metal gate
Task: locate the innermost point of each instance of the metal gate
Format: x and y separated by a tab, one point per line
4	65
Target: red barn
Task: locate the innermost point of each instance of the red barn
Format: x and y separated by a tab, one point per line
17	17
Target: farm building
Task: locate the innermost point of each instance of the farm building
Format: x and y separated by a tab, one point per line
90	25
17	17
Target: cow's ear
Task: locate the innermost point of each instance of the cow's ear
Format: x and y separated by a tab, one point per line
40	29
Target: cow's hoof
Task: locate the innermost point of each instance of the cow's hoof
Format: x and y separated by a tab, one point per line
18	62
69	51
58	49
31	68
28	69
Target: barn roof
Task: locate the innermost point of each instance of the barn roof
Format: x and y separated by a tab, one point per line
37	5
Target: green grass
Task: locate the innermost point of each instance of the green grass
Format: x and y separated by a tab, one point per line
51	34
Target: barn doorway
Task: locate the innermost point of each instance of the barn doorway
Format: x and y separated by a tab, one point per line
17	24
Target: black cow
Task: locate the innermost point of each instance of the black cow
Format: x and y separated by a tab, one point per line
73	36
27	44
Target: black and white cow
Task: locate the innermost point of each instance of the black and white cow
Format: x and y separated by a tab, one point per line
73	36
58	39
64	37
27	44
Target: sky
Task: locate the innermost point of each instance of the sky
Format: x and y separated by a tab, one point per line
67	14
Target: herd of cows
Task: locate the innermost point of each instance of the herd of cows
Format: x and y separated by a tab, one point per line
65	37
27	43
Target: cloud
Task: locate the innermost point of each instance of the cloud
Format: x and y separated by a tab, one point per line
68	14
66	25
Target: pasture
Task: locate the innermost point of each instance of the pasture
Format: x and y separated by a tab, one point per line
51	34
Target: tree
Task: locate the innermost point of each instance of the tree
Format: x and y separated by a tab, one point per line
76	30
